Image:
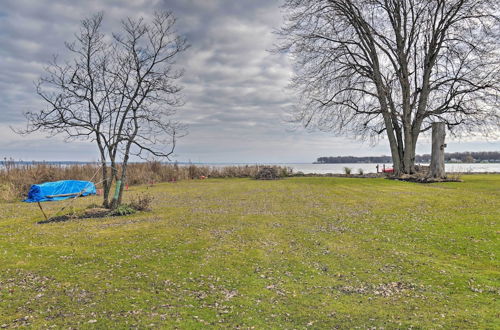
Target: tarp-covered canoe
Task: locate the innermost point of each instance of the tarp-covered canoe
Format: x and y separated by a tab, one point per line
59	190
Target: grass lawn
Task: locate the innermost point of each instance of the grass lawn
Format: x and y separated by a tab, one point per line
293	253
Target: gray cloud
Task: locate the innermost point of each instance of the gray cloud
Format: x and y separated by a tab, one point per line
235	89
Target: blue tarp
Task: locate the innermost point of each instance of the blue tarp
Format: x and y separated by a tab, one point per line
40	192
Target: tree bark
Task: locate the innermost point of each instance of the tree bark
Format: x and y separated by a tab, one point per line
397	165
106	185
117	200
437	157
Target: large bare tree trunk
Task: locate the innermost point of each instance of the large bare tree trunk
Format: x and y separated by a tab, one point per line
393	145
437	157
106	185
117	199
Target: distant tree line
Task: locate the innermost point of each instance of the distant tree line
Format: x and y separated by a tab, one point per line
352	159
463	157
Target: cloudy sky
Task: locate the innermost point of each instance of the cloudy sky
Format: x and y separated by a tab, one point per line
236	90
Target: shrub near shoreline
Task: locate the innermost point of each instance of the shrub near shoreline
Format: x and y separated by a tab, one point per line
15	180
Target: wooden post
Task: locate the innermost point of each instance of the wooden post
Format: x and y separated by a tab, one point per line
437	157
45	215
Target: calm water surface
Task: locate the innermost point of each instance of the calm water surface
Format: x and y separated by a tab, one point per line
339	168
371	168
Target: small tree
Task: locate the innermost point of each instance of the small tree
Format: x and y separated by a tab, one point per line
372	67
118	91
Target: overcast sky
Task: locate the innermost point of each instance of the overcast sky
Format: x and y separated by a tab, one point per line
236	90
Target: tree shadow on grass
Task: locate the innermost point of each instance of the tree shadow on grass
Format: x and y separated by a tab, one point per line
61	218
88	214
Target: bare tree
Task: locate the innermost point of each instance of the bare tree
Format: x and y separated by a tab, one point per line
118	91
368	67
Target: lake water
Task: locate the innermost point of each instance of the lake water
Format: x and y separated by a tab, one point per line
371	168
339	168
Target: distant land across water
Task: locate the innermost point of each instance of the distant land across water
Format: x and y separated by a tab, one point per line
455	157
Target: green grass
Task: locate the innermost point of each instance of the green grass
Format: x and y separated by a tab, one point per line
293	253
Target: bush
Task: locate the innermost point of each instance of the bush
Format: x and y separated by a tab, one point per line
267	173
347	170
121	210
141	202
7	191
361	171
